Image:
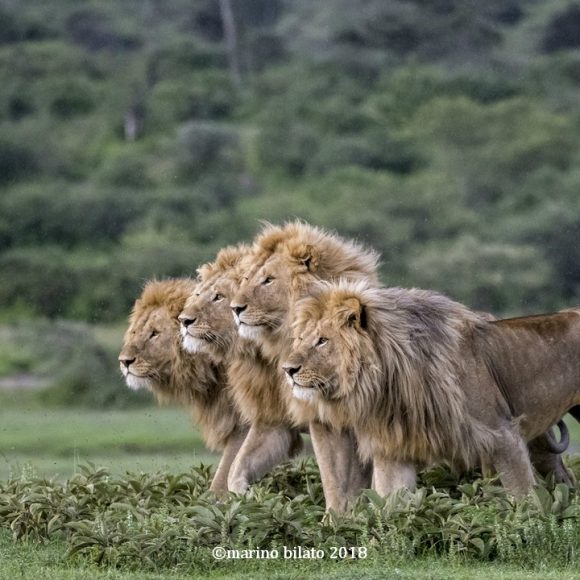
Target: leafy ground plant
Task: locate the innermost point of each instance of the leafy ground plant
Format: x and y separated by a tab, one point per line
158	521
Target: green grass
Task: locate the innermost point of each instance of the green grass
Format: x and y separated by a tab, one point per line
35	560
47	561
54	441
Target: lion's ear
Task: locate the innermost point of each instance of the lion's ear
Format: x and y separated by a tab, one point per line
355	314
309	256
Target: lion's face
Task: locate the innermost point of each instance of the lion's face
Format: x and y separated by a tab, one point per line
206	321
310	370
262	303
147	348
327	352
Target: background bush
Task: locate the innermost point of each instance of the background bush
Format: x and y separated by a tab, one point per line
135	142
77	368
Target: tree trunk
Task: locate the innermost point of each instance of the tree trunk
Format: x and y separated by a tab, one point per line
231	39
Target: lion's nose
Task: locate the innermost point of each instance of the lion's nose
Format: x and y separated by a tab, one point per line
239	309
127	361
186	320
291	370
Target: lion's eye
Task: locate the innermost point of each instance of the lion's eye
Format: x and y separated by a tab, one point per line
218	297
322	341
154	333
267	280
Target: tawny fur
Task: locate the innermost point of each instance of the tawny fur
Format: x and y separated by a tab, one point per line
174	376
297	255
226	261
331	255
287	261
207	323
208	326
397	378
251	377
423	379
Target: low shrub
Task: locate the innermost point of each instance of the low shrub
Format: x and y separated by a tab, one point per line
156	521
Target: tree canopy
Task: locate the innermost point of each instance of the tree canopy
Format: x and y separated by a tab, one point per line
139	136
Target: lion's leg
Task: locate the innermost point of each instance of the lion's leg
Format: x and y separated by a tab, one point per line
219	484
548	463
512	462
264	448
390	475
361	473
331	449
487	469
342	473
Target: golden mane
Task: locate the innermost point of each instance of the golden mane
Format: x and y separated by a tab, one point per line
207	326
285	261
307	253
170	293
226	259
331	255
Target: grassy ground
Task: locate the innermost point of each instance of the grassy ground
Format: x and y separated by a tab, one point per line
32	560
54	441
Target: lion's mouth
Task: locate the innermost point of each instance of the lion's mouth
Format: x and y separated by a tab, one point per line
303	392
300	385
195	343
136	382
295	383
249	331
241	322
195	332
132	373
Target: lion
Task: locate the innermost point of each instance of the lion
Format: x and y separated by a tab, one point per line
207	326
151	358
287	260
545	450
422	379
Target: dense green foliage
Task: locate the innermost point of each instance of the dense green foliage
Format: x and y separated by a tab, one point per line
151	522
133	143
65	363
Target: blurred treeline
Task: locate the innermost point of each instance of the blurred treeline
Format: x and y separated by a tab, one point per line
139	136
